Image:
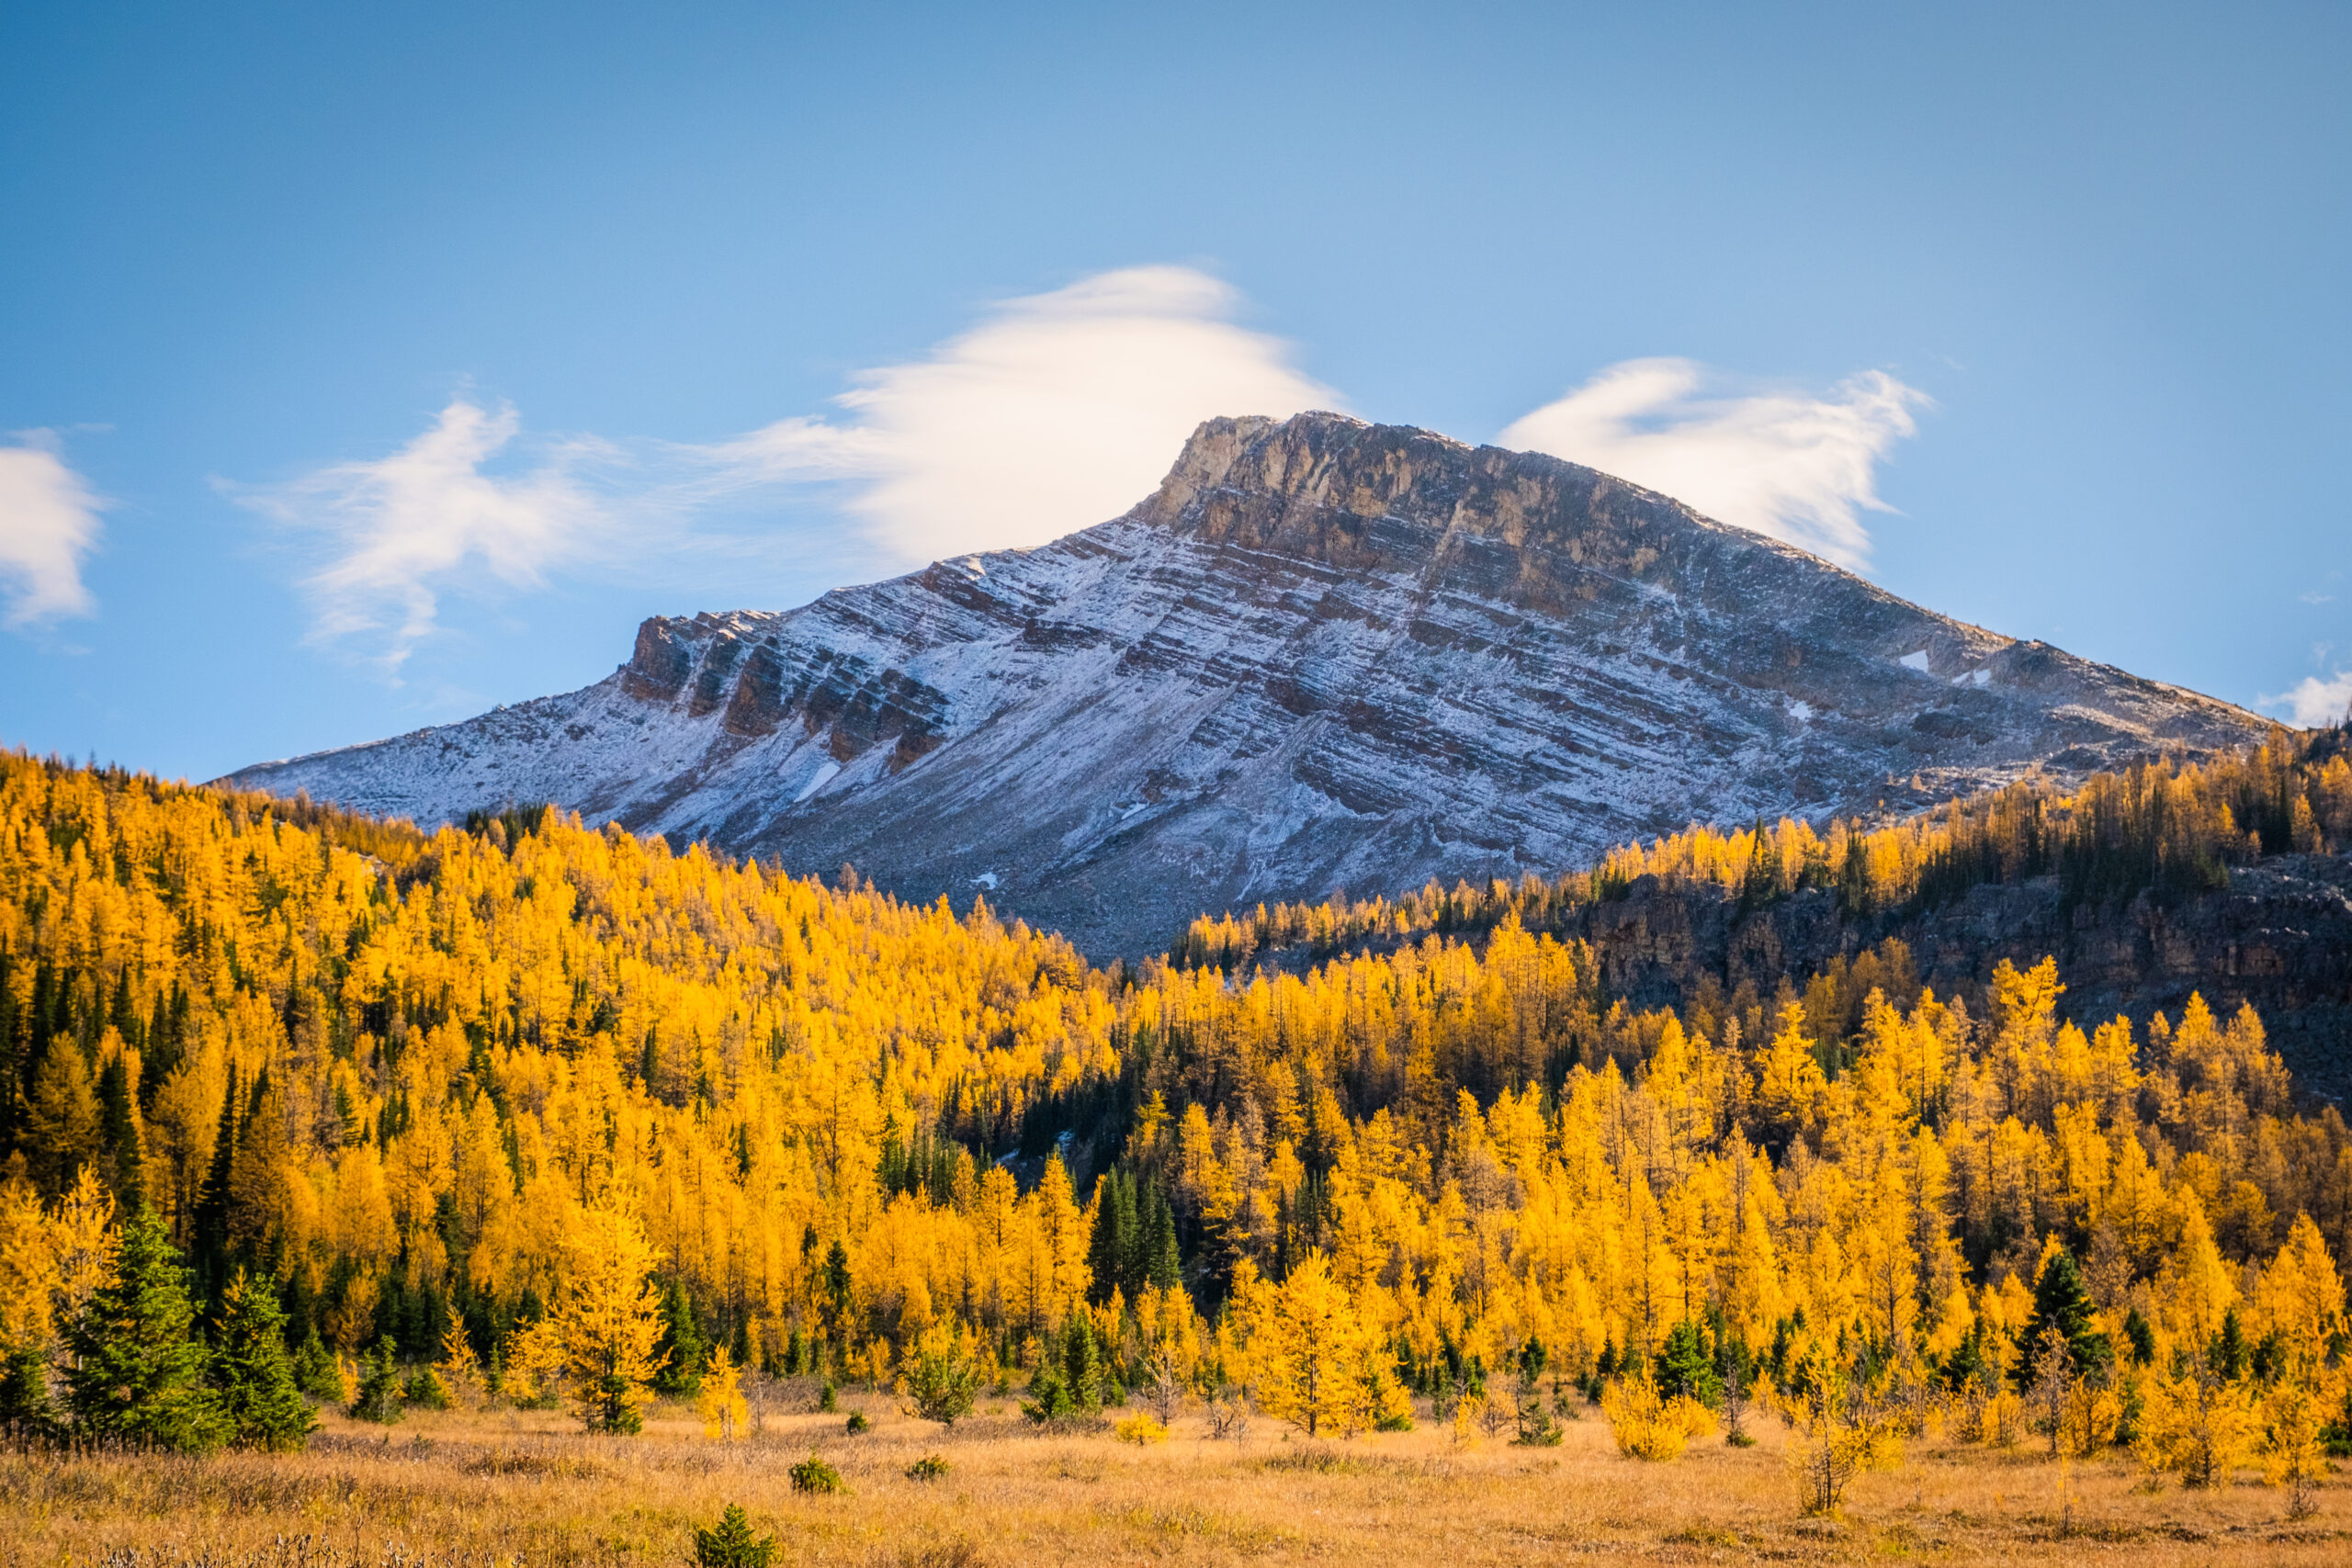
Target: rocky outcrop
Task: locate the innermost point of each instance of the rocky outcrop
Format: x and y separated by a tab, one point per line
1323	654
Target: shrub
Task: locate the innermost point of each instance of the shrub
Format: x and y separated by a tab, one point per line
815	1476
1140	1430
858	1422
829	1401
1646	1426
732	1545
1840	1430
931	1467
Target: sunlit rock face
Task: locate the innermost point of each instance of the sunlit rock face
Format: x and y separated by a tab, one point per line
1323	654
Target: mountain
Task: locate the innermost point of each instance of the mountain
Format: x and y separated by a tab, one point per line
1323	654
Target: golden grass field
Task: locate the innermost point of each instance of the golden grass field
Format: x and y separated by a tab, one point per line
504	1486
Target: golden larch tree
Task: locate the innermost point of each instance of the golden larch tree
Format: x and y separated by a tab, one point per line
608	1320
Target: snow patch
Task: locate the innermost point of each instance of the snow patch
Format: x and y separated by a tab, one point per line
985	879
1915	662
1801	711
817	780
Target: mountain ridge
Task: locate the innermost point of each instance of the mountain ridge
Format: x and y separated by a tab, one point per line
1322	653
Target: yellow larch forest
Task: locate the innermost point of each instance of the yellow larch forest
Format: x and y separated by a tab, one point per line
440	1085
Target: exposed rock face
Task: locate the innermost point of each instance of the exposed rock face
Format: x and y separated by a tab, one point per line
1323	654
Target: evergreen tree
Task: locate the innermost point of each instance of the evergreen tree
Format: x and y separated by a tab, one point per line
834	1303
942	1384
138	1372
2227	1353
210	1237
1113	1252
732	1544
683	1341
1684	1368
316	1372
427	1390
2059	1301
259	1396
118	1131
1082	1364
1070	1378
1967	1363
25	1410
379	1399
1165	1266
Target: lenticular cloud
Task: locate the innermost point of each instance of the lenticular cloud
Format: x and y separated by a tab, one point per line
1058	410
1797	468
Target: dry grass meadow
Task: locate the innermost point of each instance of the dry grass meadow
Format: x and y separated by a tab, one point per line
508	1487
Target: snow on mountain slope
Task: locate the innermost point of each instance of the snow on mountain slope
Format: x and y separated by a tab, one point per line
1323	654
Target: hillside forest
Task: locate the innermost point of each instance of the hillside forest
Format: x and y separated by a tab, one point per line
531	1109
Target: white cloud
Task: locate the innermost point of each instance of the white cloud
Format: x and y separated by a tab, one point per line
49	521
1054	412
2315	702
1797	468
405	528
1059	411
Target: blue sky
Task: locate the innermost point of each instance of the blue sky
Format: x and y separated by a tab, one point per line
369	364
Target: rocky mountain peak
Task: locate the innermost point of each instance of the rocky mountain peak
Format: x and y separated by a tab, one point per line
1322	653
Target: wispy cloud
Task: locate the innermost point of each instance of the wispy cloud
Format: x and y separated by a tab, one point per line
2315	701
1058	410
49	521
1054	412
1796	466
400	531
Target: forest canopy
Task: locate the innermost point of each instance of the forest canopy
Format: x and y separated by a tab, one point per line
426	1085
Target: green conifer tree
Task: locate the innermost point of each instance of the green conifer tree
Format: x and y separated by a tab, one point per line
732	1544
1112	1250
138	1372
2061	1301
683	1341
2227	1353
1082	1365
316	1373
1684	1367
119	1131
24	1409
380	1386
259	1396
1166	1268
